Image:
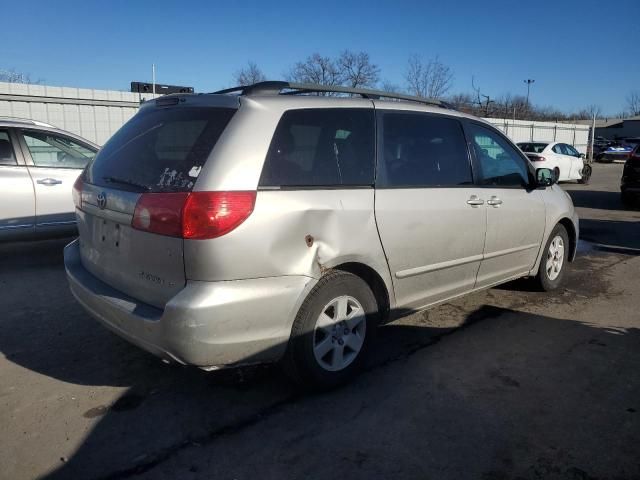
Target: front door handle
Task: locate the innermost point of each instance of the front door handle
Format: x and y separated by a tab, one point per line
494	201
474	201
49	181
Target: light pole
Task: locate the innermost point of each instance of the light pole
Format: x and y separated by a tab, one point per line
528	81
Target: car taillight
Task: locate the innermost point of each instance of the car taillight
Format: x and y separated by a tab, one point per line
538	159
160	213
76	192
213	214
195	215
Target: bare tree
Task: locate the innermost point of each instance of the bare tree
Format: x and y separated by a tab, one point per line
11	76
588	112
316	69
462	101
389	86
357	70
249	75
633	103
430	79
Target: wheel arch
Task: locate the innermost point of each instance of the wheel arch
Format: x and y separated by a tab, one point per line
375	282
573	236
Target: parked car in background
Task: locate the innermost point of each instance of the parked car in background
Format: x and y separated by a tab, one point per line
630	181
616	152
38	166
565	161
600	145
254	226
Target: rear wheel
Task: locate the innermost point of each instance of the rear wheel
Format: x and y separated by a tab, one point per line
332	332
556	172
586	174
554	258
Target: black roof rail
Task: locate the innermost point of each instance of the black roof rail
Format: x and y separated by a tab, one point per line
274	87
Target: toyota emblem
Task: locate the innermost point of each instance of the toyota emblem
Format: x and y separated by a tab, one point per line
102	200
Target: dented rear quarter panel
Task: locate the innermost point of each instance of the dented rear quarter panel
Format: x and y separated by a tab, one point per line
273	240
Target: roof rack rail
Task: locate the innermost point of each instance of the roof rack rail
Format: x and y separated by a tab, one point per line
273	87
27	121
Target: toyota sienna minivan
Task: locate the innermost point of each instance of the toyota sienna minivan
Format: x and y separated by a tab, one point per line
285	222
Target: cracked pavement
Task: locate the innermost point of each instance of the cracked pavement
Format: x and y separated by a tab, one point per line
506	383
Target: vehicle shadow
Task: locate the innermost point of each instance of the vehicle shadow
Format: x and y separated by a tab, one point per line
616	236
463	403
596	199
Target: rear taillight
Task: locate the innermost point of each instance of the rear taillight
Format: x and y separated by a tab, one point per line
76	191
160	213
213	214
536	158
195	215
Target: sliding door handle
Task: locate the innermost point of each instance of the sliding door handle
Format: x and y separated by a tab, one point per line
494	201
474	201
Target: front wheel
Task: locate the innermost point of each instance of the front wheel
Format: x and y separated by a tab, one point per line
586	174
554	258
332	332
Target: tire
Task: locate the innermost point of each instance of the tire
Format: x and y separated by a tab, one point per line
556	171
550	279
304	361
586	174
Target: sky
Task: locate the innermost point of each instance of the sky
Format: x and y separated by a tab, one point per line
579	52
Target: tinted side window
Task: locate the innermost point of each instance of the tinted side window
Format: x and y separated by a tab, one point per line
49	150
558	149
569	150
500	163
422	150
321	147
7	156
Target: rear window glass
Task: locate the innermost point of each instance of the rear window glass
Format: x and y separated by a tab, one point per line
532	147
159	149
321	147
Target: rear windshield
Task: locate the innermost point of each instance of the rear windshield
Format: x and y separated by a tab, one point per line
532	147
159	149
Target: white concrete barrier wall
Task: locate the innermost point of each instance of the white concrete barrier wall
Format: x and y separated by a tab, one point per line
97	114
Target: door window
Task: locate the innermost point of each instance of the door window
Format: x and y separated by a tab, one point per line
50	150
569	150
7	157
558	149
500	163
420	150
321	147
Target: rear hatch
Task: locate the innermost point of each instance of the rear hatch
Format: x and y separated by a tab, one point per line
158	154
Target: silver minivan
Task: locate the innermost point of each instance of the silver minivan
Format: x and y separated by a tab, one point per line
285	222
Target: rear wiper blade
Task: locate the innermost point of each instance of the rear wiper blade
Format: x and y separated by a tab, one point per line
124	181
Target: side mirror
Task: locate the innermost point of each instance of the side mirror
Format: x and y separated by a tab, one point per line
582	156
545	177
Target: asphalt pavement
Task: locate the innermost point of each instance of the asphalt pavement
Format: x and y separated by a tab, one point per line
506	383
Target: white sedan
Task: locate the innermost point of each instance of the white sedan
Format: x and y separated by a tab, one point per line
563	159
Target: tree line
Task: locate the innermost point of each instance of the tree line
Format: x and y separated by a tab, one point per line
429	78
423	77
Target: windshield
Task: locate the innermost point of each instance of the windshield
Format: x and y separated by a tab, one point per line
159	149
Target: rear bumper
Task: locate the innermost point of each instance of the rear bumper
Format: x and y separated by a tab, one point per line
207	324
